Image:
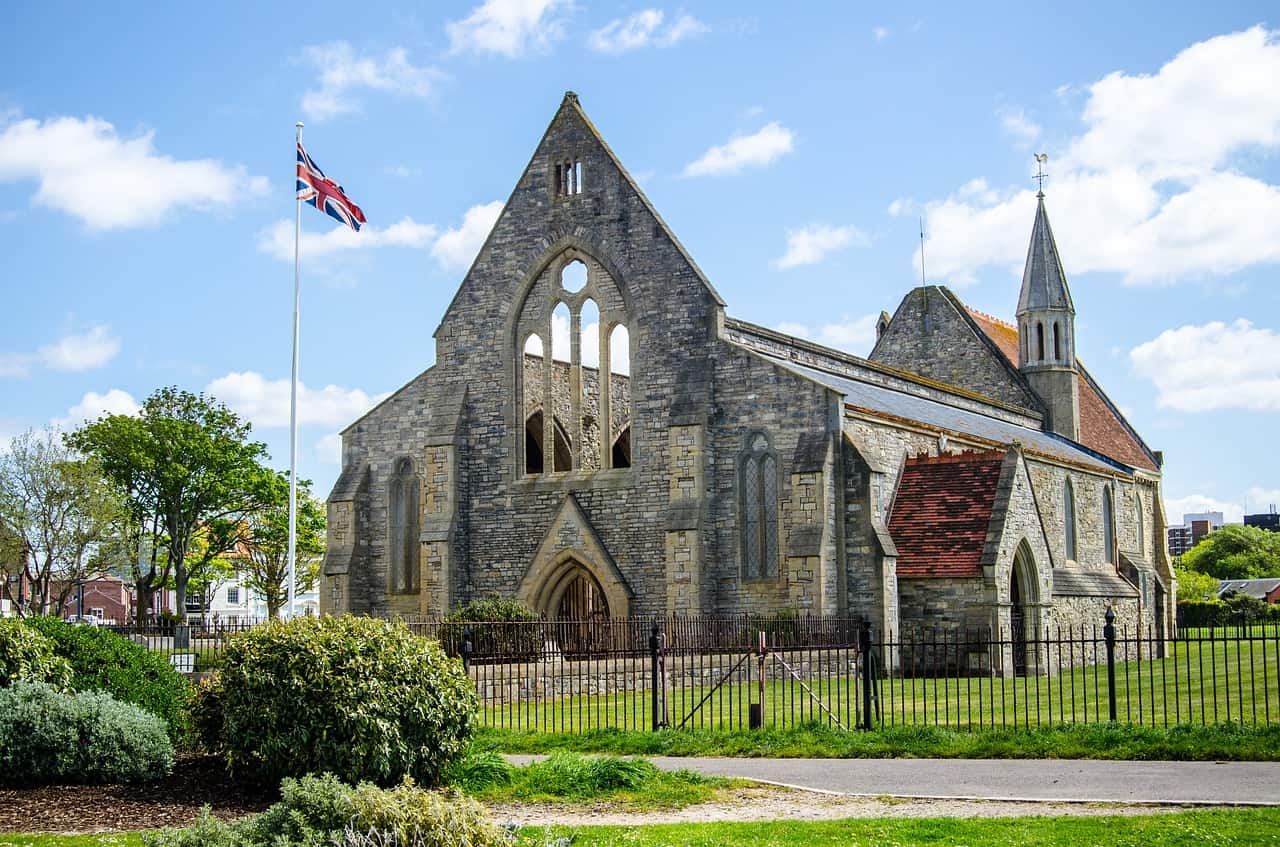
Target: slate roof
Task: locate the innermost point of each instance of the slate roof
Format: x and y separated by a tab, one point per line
950	419
941	513
1044	283
1091	583
1102	428
1258	588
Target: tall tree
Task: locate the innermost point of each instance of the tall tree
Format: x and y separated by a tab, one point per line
266	563
184	459
1236	552
56	509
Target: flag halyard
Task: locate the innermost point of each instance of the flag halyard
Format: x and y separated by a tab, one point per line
316	189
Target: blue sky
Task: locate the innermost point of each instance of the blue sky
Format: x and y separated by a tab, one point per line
146	159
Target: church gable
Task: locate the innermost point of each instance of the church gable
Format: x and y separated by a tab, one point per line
932	335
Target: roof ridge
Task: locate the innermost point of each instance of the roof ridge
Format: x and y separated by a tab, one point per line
992	318
962	458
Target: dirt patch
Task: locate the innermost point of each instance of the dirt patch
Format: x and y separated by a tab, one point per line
767	803
174	801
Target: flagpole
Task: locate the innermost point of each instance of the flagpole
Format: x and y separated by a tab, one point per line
293	402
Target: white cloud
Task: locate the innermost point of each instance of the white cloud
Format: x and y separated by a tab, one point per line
86	169
265	403
329	449
1024	130
82	352
402	171
854	335
811	244
1154	187
644	29
508	27
755	150
880	33
277	240
94	405
1176	507
457	248
1213	366
342	73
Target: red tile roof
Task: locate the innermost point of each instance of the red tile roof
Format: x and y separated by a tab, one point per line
941	513
1101	427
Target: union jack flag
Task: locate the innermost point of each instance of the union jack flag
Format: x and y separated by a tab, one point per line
326	195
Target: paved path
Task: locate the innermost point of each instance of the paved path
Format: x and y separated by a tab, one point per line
1064	780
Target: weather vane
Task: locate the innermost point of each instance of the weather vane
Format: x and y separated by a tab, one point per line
1041	158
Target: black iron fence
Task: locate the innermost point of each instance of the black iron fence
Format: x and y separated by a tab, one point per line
747	671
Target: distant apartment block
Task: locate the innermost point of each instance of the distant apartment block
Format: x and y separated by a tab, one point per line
1269	521
1195	526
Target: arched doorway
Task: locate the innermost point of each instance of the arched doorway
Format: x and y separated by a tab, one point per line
1022	594
578	611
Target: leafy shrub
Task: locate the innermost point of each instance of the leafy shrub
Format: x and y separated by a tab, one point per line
499	629
48	736
102	660
26	655
206	714
324	811
364	699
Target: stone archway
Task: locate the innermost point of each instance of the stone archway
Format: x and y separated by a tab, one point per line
1023	603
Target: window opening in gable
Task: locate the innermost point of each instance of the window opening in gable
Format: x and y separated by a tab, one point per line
620	396
562	387
573	277
568	177
533	364
758	508
590	377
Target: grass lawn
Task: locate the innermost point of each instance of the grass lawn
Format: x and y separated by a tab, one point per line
1233	827
1201	828
1203	680
817	740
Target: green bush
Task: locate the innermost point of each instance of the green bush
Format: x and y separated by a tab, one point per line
361	698
49	736
206	714
102	660
499	629
324	811
26	655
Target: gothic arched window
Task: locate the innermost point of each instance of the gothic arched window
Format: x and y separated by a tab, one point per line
1069	518
1108	525
1039	342
1057	344
402	520
758	508
1137	519
574	370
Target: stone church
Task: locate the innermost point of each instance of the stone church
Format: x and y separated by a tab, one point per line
599	438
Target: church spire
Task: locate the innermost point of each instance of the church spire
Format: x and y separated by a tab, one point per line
1046	327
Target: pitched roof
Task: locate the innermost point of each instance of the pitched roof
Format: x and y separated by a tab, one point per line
1044	283
1102	427
941	513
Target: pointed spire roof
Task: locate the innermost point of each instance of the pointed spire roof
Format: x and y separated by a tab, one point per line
1044	283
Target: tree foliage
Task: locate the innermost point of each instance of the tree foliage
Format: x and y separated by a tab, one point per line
1194	586
56	508
182	462
266	543
1236	552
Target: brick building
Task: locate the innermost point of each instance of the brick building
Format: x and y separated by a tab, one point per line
969	473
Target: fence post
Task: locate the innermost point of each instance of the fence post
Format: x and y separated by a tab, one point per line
466	649
1109	635
653	673
864	648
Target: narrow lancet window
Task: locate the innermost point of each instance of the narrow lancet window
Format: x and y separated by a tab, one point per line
1108	525
758	508
1069	519
402	513
620	396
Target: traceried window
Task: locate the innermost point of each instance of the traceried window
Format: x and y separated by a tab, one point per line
1108	525
1069	519
758	508
402	519
574	370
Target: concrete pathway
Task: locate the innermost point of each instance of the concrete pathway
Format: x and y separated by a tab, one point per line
1060	780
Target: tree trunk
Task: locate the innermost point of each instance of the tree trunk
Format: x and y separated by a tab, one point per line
142	611
180	590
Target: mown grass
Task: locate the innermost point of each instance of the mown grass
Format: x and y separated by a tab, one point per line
1222	742
1205	680
1201	828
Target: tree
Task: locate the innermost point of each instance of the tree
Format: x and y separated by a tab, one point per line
1236	552
56	509
1195	586
183	461
266	565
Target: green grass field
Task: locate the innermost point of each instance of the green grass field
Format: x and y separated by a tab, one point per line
1201	681
1236	827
